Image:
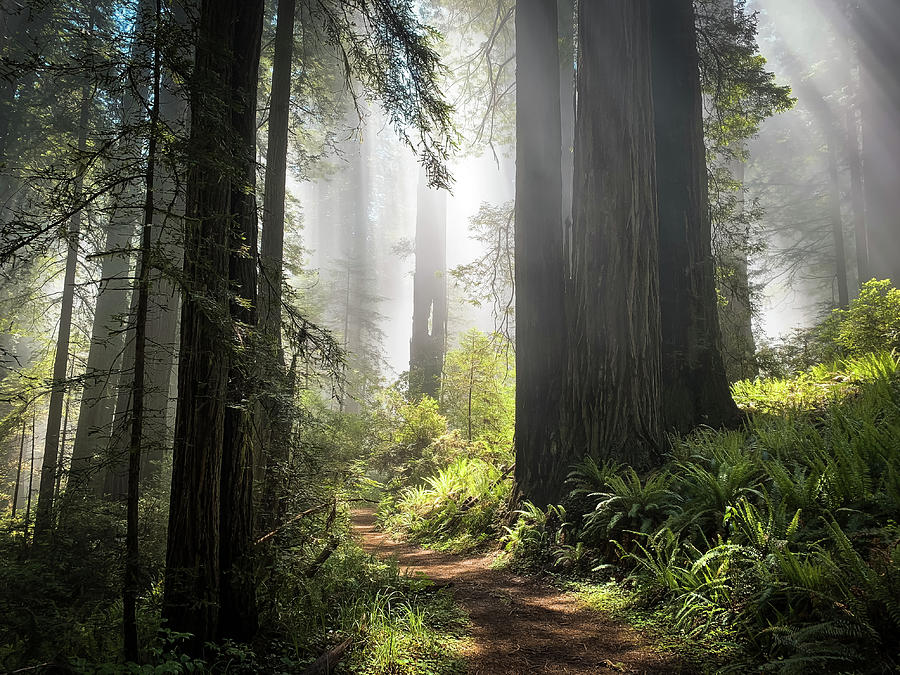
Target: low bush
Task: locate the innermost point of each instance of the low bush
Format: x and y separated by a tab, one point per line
459	508
783	536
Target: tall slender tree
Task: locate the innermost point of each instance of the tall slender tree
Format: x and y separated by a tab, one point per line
150	24
273	445
541	464
43	519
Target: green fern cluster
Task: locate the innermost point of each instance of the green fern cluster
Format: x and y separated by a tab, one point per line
458	508
784	534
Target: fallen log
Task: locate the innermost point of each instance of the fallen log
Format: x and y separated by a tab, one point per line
324	664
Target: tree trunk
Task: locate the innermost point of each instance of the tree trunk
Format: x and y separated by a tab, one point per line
695	387
878	24
97	406
429	329
238	615
15	500
541	465
613	396
166	246
274	433
192	580
30	479
43	520
131	582
857	198
837	221
736	313
566	31
167	253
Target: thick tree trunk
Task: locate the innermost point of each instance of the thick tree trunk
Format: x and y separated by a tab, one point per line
613	404
429	329
878	25
238	615
541	464
695	387
191	601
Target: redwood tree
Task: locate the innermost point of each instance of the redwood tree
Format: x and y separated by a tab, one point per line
541	464
210	474
612	406
429	329
695	387
878	23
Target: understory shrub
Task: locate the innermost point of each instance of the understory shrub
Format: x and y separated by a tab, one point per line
460	507
783	536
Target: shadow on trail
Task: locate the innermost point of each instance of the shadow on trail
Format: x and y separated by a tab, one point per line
520	625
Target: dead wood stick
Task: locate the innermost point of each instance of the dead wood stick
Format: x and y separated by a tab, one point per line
323	557
324	664
303	514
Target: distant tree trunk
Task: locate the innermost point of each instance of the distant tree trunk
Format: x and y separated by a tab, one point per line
167	253
64	435
837	221
429	330
826	120
30	479
208	479
613	396
97	406
857	198
360	300
166	246
238	614
43	519
878	24
541	465
695	387
274	436
15	501
115	477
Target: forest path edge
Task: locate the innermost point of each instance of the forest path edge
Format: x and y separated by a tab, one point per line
518	624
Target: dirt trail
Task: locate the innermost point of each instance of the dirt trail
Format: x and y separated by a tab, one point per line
520	625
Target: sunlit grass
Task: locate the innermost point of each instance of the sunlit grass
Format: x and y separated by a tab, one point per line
814	388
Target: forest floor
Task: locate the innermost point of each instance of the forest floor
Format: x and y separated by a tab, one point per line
520	624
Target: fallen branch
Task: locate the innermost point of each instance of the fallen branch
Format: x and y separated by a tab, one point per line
303	514
324	664
323	557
